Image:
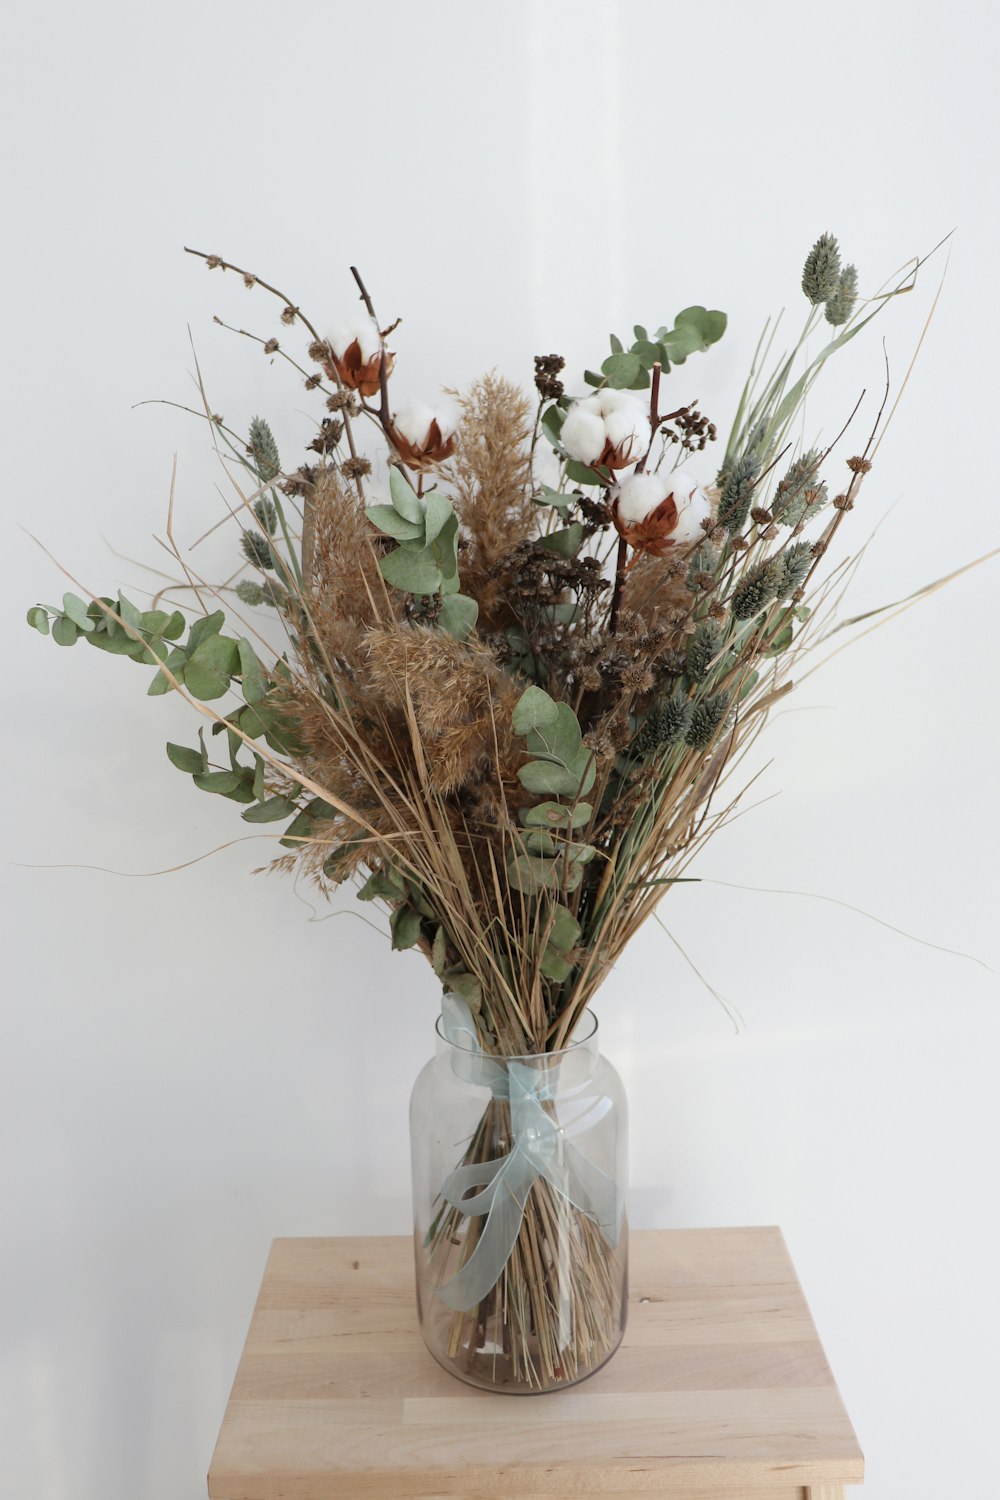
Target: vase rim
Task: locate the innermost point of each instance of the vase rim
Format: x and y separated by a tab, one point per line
584	1034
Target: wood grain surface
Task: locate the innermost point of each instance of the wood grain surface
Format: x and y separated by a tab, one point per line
721	1387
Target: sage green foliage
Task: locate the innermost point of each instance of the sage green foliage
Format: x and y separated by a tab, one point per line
667	723
264	451
549	859
840	306
425	562
821	272
207	664
708	715
788	503
703	647
566	542
784	631
695	329
102	623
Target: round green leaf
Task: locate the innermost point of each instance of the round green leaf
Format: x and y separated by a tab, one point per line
620	370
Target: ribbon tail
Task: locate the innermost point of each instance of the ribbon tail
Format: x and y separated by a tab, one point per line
481	1272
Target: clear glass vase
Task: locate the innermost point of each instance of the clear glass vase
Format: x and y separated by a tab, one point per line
519	1177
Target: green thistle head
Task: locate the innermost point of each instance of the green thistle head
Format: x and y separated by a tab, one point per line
707	718
756	589
257	549
264	449
703	647
840	306
821	272
267	514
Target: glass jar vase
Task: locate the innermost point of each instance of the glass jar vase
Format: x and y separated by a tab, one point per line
519	1176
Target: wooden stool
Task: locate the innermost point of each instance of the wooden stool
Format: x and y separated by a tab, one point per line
721	1388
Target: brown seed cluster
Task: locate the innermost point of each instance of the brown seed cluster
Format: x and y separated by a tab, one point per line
548	367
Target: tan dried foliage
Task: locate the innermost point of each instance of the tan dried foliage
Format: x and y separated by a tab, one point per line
462	702
346	593
490	479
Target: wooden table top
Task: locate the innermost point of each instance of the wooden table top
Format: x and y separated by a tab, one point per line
721	1386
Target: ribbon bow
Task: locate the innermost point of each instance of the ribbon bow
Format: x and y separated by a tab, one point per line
541	1149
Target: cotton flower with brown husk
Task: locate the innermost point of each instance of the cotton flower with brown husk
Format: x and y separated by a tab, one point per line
654	513
357	356
423	436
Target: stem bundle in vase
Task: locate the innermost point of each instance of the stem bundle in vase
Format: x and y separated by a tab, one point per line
497	666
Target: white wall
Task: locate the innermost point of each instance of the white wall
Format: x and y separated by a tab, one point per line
184	1057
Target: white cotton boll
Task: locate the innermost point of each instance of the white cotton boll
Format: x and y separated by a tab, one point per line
342	335
693	507
583	433
448	417
622	401
628	429
639	495
413	421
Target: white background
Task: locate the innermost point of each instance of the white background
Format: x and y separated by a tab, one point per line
196	1063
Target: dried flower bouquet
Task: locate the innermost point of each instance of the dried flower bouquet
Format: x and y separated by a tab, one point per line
514	684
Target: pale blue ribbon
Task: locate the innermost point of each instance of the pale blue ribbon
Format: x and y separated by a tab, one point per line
541	1149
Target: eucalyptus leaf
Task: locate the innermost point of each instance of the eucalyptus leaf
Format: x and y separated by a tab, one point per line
532	875
76	610
210	667
584	474
388	520
620	370
458	615
548	778
217	781
444	547
413	572
558	738
155	621
437	515
404	499
38	619
554	966
565	930
566	542
556	815
118	644
64	632
647	353
191	761
132	616
253	681
552	421
439	951
405	927
466	985
540	841
555	498
202	629
534	710
269	811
